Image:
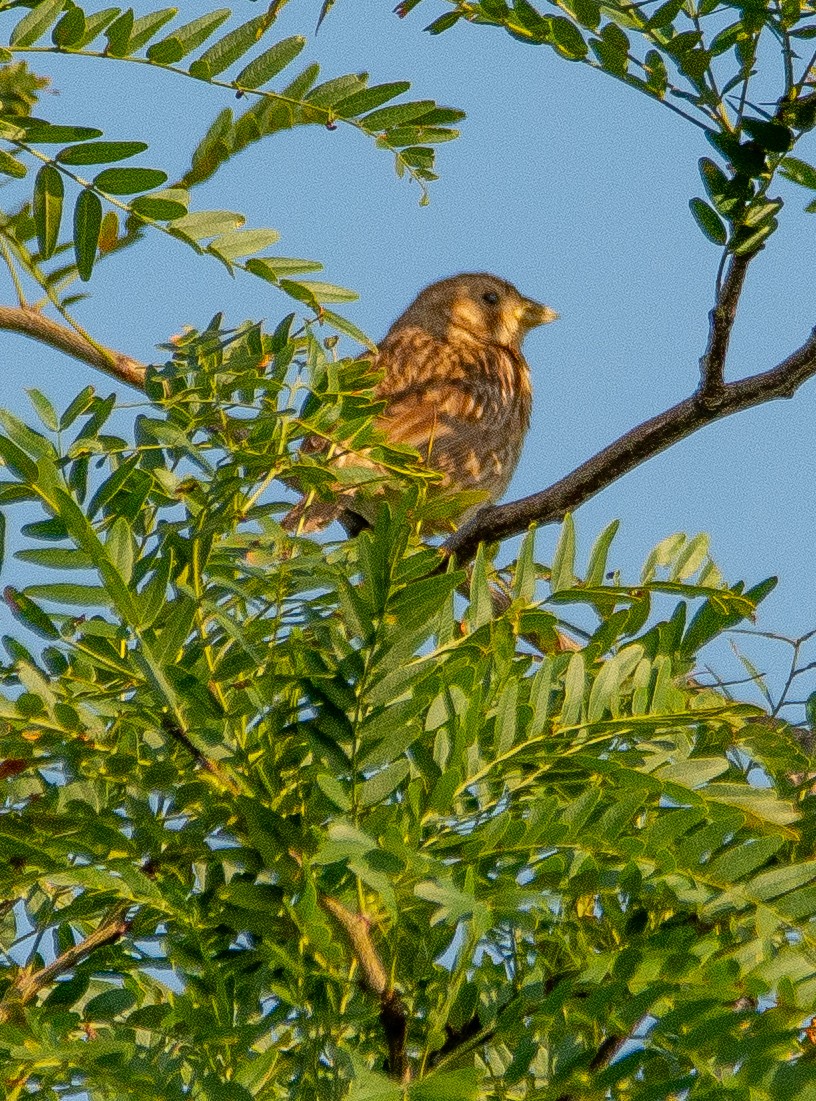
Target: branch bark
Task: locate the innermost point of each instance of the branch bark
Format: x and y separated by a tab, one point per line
721	322
393	1017
29	983
713	400
30	322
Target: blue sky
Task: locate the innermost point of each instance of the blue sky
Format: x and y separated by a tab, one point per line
565	182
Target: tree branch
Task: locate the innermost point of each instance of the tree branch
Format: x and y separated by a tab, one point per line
28	983
392	1012
30	322
721	322
647	439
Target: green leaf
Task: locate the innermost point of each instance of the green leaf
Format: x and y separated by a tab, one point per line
10	166
35	23
332	91
46	208
481	601
605	694
596	570
343	325
463	1084
771	135
56	558
563	565
746	242
709	621
118	34
709	221
64	592
228	49
95	23
106	1006
384	783
567	38
243	242
162	206
202	224
443	22
18	462
665	14
397	115
29	614
270	62
799	172
328	292
587	12
146	26
70	30
417	605
39	132
187	37
100	152
127	181
574	686
77	407
53	529
369	98
612	49
524	582
747	157
87	224
760	212
272	268
45	410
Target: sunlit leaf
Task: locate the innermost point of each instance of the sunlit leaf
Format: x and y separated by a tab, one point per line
35	23
46	208
270	62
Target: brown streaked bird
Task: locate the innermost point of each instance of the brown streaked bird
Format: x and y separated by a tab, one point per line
456	387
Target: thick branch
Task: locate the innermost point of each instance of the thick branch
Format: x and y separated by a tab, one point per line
28	983
392	1012
630	450
30	322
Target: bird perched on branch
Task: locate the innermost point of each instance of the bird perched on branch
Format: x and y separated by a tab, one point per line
456	388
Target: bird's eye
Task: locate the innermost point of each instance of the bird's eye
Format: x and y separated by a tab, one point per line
491	298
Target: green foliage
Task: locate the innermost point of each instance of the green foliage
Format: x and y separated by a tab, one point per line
410	134
562	856
269	802
699	59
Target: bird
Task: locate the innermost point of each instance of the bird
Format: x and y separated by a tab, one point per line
456	389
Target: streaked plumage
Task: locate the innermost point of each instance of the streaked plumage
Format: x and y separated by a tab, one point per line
457	388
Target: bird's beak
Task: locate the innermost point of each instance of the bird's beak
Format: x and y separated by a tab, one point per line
533	313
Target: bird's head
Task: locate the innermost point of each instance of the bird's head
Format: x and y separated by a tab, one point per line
477	307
